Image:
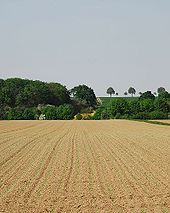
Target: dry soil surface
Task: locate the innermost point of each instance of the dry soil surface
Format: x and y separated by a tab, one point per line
84	166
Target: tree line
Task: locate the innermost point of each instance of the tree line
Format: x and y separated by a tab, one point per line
28	99
146	107
23	99
132	91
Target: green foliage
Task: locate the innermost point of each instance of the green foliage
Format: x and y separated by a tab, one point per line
132	91
62	112
59	94
65	112
101	113
157	122
162	105
106	100
20	97
118	116
146	105
16	92
87	110
3	113
50	112
147	95
165	95
141	116
9	90
35	93
143	108
79	116
14	114
18	113
118	106
110	91
158	115
84	94
161	89
134	107
29	114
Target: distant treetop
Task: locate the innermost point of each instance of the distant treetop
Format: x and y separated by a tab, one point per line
132	91
110	91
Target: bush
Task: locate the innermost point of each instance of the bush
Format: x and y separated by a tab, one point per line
118	106
50	112
97	114
134	107
3	113
87	110
29	114
126	116
79	116
101	113
158	115
118	116
162	105
147	95
14	114
147	105
64	112
141	116
165	95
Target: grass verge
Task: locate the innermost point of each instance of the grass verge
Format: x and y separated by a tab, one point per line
157	122
152	122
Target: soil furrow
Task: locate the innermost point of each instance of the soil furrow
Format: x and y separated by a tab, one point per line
84	166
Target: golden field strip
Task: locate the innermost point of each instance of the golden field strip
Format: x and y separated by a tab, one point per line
84	166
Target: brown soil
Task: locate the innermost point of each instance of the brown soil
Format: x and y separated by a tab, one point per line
84	166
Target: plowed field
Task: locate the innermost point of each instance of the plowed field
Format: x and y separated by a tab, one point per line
84	166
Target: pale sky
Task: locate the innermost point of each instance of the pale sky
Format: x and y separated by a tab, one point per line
101	43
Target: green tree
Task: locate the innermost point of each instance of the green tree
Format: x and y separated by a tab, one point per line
132	91
10	88
165	95
15	114
62	112
147	105
50	112
102	113
158	115
59	94
65	112
29	114
35	93
147	95
110	91
1	83
162	105
116	106
79	116
84	94
161	89
134	107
